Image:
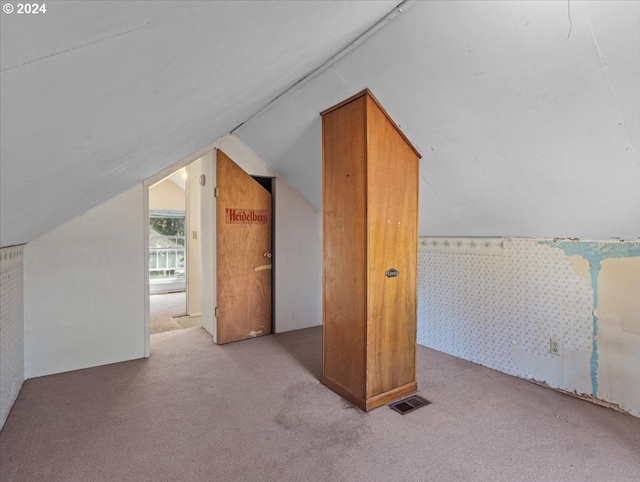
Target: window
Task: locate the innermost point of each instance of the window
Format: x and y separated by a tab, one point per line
166	244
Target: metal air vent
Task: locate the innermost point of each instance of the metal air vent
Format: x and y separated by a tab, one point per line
409	404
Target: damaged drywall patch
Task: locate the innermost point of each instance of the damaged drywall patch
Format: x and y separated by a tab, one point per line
581	267
594	252
619	286
619	332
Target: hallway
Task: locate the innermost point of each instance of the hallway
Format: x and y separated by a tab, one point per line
167	313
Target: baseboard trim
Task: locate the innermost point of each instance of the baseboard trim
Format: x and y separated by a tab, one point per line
344	392
391	395
374	402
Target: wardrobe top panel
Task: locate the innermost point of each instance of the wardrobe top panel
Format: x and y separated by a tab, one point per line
368	93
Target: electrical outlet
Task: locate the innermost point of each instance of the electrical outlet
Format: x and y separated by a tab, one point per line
554	346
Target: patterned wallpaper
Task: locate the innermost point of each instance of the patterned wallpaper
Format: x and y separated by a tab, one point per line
498	301
11	328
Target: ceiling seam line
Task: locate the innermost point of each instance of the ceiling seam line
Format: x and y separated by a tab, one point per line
384	20
340	77
77	47
605	68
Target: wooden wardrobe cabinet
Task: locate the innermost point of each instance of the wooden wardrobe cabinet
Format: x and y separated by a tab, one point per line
370	247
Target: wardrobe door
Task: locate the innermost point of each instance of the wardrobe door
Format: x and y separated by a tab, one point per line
392	195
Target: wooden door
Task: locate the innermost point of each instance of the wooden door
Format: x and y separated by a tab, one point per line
243	233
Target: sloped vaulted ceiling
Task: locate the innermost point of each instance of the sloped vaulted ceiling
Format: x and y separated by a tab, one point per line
98	96
527	114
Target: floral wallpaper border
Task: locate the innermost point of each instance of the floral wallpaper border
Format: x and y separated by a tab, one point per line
11	255
484	246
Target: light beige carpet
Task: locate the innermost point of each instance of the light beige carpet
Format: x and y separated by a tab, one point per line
164	308
255	411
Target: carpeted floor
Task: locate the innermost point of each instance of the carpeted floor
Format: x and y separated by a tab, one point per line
164	308
255	411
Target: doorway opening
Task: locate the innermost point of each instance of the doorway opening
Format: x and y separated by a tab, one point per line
268	184
210	251
170	213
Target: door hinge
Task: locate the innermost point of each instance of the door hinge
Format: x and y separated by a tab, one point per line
216	312
216	192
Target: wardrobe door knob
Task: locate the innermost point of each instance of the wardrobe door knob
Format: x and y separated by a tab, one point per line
391	273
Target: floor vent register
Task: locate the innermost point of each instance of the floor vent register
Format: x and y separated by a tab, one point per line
409	404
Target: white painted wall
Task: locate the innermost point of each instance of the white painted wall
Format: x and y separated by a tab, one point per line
167	196
85	281
84	289
193	235
498	302
208	244
298	261
11	327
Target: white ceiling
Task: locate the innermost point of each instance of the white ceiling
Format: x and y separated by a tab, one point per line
98	96
523	131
